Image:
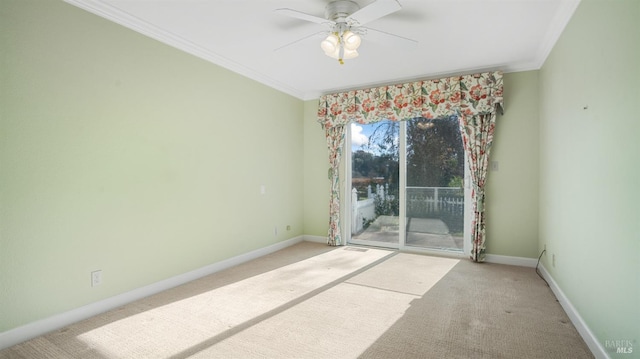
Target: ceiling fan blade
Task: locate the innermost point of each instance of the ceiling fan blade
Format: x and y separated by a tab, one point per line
374	11
319	34
303	16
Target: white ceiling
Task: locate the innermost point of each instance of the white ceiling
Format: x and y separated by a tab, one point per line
454	37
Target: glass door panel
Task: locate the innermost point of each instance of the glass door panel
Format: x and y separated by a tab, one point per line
375	184
434	194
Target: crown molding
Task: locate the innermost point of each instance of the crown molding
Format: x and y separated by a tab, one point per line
559	22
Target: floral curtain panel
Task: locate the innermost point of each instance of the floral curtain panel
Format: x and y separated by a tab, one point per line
477	137
335	140
473	98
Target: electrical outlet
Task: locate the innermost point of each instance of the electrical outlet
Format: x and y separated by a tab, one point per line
96	278
553	260
275	231
288	227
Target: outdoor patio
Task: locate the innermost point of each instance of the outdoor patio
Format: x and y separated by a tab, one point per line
421	232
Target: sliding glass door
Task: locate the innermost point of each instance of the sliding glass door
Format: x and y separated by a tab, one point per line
407	184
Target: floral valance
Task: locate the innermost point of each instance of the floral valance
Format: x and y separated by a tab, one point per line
468	95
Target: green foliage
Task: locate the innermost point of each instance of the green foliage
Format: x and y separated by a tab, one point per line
435	154
366	222
367	165
456	181
387	206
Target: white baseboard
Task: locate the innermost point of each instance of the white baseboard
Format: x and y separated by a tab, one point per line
587	335
43	326
490	258
512	261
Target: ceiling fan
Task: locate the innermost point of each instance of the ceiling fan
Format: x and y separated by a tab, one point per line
345	19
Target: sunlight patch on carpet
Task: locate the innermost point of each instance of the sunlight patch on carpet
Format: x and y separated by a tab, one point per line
167	328
337	323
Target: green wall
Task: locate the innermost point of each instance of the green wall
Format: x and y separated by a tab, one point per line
512	190
590	167
316	181
123	154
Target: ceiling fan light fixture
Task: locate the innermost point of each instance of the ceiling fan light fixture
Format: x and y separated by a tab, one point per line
351	40
331	44
341	45
341	53
350	54
335	54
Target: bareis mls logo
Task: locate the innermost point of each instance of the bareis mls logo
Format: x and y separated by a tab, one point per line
619	346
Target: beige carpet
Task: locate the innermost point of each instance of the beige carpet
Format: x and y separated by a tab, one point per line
314	301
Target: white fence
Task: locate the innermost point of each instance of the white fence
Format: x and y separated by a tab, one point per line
365	209
422	202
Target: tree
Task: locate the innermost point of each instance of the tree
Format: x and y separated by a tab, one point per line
361	164
384	139
435	156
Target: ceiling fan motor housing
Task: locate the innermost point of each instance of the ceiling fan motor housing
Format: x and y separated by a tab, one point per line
338	11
